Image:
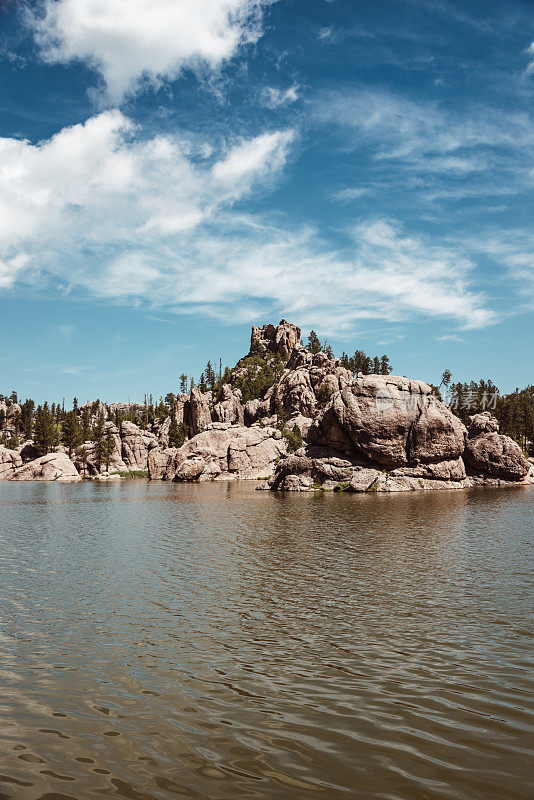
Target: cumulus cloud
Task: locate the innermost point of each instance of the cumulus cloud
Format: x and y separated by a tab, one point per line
101	186
144	39
101	211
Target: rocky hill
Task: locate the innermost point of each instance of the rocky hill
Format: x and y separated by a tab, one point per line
300	421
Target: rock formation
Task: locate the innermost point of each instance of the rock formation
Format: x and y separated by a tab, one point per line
299	417
489	453
222	452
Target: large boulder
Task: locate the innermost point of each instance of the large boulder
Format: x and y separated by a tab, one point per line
319	467
222	452
395	421
52	467
160	461
490	453
9	461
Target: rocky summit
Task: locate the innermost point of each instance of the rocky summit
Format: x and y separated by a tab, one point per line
300	421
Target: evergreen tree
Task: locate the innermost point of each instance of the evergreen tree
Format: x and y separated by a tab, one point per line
385	366
71	432
183	383
99	438
45	434
210	375
376	365
81	455
177	433
108	447
86	425
2	421
27	418
314	345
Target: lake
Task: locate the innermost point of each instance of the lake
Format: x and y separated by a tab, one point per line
210	641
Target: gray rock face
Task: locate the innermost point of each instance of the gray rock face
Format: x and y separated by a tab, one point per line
52	467
135	444
282	338
199	411
318	467
394	421
489	452
223	452
160	463
229	408
9	461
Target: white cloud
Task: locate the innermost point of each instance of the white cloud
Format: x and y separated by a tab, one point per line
10	268
351	193
100	211
530	66
144	39
273	98
100	186
483	149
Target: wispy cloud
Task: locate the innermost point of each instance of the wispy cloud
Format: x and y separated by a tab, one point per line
273	98
348	194
107	213
482	149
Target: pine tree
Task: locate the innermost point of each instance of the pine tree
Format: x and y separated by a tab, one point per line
86	424
177	433
99	437
183	383
108	447
27	418
81	455
210	375
45	432
314	345
385	366
71	433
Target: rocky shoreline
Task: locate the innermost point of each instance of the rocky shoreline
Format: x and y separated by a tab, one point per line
315	427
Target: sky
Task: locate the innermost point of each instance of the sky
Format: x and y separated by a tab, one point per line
172	173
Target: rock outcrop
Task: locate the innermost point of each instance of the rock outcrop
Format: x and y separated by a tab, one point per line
364	433
281	339
229	408
135	445
489	453
199	411
9	461
52	467
222	452
394	421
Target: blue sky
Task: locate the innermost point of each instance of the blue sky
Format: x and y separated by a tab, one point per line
171	175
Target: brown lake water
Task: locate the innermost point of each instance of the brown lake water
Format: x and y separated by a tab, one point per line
212	642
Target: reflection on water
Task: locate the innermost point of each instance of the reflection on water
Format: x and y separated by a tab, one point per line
172	641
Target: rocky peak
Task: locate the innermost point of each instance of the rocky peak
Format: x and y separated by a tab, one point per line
282	338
